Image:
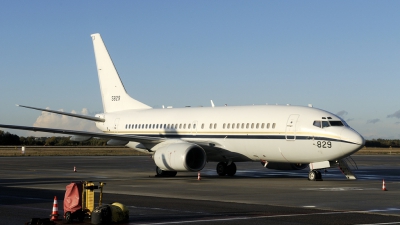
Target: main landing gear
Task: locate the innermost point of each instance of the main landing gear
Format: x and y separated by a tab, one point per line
163	173
314	175
224	169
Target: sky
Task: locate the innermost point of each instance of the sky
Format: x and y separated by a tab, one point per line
340	56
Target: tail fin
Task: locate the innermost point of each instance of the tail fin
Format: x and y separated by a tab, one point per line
112	90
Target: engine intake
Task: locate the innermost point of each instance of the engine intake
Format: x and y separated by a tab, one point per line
180	157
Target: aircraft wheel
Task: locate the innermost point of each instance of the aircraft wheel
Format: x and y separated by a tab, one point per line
231	169
171	173
312	175
163	173
68	217
221	169
160	172
319	175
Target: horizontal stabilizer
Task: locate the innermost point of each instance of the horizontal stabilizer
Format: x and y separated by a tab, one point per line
93	118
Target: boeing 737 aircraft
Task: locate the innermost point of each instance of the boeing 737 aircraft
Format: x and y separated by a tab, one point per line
281	137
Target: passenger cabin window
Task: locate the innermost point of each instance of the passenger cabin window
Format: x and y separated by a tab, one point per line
202	126
189	126
233	126
262	126
273	126
215	126
267	125
228	126
210	125
223	126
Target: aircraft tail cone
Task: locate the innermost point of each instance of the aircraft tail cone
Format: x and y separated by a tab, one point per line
198	176
54	215
384	186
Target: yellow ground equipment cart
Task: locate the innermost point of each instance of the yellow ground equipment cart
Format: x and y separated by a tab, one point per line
88	196
79	200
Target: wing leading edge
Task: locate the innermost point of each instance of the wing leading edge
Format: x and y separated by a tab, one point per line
93	118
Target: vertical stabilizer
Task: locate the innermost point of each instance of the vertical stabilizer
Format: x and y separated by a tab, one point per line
112	90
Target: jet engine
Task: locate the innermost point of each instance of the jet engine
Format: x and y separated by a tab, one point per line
286	166
180	157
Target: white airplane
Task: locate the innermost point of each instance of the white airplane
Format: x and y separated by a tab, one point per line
185	139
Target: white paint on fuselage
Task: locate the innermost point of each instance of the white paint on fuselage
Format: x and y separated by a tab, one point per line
268	144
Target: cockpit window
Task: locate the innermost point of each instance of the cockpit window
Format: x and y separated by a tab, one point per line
336	123
321	124
317	123
325	124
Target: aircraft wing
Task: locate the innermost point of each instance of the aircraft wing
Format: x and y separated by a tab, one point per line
136	138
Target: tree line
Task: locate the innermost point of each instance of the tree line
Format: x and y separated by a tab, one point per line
11	139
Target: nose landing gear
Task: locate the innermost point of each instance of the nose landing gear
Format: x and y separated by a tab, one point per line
314	175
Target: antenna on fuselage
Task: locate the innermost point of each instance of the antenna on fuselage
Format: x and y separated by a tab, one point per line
212	103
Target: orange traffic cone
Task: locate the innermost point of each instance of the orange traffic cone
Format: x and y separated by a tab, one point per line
74	169
54	215
384	186
198	176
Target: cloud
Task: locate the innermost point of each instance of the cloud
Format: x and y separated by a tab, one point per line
397	123
395	114
342	113
52	120
373	121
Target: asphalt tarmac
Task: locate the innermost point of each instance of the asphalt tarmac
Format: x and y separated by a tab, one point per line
255	195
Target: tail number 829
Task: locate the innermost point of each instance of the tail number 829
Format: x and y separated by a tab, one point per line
324	144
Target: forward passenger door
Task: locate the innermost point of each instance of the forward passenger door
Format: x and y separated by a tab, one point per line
291	127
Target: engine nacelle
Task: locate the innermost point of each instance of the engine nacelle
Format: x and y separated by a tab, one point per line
180	157
286	166
80	138
114	142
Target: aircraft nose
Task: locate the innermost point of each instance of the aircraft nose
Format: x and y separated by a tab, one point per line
352	137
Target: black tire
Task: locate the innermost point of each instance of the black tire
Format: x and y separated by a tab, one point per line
68	217
171	173
221	169
319	175
312	175
231	169
81	216
160	172
163	173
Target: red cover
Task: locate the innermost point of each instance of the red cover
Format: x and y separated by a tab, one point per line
72	198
